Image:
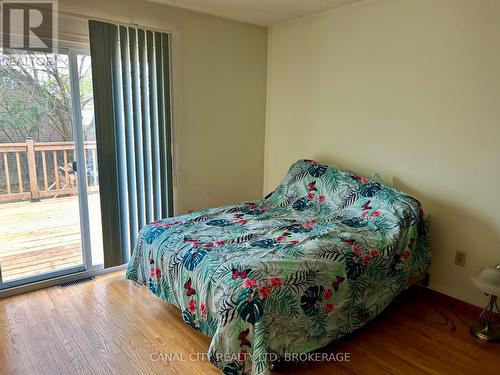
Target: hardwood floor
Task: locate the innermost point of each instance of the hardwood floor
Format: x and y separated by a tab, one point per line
112	326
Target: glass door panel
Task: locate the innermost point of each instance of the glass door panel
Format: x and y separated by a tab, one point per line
92	172
42	215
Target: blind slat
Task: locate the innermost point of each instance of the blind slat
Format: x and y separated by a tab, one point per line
167	176
146	130
153	110
129	134
137	118
121	152
161	121
103	47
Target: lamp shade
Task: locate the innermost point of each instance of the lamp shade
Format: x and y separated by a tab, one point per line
488	280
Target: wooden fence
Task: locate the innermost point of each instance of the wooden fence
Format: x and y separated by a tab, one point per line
49	169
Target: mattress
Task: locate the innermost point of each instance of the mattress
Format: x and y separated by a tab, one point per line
318	258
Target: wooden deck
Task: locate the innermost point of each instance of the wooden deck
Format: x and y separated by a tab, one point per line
39	237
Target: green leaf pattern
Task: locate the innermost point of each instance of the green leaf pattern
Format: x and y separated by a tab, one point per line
323	254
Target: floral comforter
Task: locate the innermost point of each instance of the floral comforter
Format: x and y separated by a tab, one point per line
318	258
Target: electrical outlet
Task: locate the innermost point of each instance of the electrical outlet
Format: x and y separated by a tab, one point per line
460	257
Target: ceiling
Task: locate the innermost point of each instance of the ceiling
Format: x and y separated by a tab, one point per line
259	12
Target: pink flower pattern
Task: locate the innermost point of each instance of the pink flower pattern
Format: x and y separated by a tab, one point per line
192	306
328	294
328	308
264	292
203	309
275	282
317	198
405	255
250	283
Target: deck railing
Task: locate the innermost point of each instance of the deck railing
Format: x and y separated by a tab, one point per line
49	169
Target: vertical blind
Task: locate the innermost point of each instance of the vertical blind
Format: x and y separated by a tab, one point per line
130	75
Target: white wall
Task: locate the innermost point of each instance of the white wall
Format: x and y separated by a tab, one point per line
409	89
219	94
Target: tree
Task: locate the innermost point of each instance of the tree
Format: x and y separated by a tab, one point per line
35	95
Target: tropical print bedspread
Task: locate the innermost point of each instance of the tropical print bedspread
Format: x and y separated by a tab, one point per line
322	255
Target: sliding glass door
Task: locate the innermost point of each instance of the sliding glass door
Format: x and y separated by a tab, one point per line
49	190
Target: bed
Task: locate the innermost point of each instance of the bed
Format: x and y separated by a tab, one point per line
318	258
